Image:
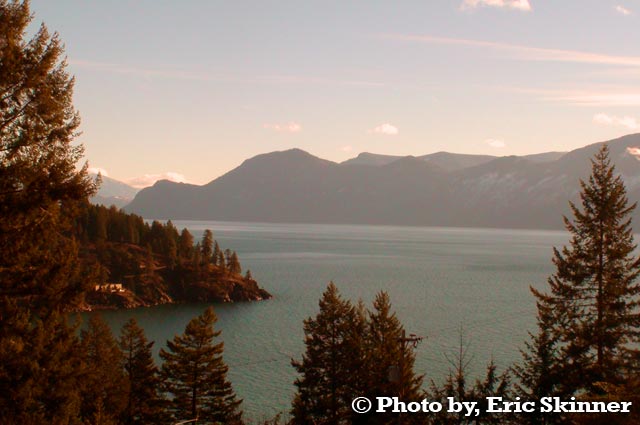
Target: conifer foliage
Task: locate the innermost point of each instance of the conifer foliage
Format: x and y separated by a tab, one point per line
351	351
145	403
196	376
105	389
389	360
326	388
39	183
40	187
589	322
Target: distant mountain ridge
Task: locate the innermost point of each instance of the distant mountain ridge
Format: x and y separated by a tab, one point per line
113	192
446	160
440	189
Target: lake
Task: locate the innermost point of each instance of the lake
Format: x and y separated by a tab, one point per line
442	281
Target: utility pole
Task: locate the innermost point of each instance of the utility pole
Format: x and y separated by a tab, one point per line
405	341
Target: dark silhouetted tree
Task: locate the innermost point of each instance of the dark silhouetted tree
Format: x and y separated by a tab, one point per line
537	373
217	253
457	385
185	244
196	375
41	372
106	388
40	191
389	359
206	247
234	264
594	295
328	378
145	404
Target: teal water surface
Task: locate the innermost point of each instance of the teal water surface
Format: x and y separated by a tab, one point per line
441	281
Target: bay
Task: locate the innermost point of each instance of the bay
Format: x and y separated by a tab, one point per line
444	283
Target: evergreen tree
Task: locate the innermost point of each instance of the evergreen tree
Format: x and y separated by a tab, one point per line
222	264
106	388
170	248
329	373
41	372
594	295
389	359
217	253
493	385
207	246
537	374
195	375
40	187
40	192
455	385
185	244
227	258
234	264
145	404
197	258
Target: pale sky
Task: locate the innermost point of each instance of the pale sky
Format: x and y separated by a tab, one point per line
190	89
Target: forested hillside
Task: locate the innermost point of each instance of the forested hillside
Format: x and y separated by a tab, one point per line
145	264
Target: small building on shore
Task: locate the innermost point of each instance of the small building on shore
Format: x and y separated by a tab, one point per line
109	287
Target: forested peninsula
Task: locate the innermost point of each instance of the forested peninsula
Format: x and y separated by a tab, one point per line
138	264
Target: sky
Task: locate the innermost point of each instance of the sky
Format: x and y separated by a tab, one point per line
187	90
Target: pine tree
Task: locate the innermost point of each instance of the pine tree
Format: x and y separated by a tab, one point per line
40	188
493	385
456	385
185	244
389	359
40	193
170	248
196	375
538	372
106	389
328	378
145	404
41	372
222	264
594	295
197	258
234	264
207	246
217	253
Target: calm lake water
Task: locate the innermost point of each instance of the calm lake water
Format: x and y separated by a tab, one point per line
441	281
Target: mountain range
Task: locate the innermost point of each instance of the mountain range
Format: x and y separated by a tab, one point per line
440	189
113	192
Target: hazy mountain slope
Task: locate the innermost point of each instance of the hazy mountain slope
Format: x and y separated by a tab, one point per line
366	158
446	190
298	187
113	192
456	161
544	157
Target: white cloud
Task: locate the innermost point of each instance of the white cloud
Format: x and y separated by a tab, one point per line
347	148
629	122
623	10
149	179
635	152
98	170
525	53
495	143
291	127
523	5
386	128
